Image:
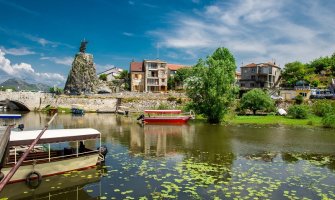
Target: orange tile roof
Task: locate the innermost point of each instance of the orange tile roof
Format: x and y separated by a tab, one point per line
261	64
250	65
175	67
136	67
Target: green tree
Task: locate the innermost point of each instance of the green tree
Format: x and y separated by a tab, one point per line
293	72
103	77
333	64
56	90
322	64
179	78
256	99
125	76
211	86
171	83
181	75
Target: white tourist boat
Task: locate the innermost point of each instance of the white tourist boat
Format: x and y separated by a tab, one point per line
58	151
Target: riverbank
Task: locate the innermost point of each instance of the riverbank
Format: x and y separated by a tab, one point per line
312	120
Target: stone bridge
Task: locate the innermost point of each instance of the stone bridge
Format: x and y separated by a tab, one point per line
34	101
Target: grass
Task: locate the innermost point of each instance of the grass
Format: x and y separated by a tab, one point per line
312	120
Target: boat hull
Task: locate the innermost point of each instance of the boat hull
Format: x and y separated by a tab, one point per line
59	185
166	120
54	167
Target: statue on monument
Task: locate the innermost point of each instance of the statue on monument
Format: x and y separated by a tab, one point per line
83	45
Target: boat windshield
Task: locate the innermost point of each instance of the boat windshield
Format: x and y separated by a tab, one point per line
163	111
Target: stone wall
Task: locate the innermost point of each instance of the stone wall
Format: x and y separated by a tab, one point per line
137	102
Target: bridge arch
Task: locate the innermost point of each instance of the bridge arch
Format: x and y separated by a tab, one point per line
20	105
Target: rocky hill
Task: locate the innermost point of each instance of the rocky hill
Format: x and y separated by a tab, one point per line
82	77
22	85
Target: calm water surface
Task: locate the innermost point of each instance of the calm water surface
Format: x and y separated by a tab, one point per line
194	161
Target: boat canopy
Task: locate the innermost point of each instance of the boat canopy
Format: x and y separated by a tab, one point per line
52	136
163	111
10	116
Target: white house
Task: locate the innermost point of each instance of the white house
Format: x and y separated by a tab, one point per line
111	73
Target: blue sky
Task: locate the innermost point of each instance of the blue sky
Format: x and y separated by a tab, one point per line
39	38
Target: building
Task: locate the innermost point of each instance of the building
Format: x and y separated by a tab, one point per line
151	75
172	68
156	75
137	77
237	77
111	73
262	75
148	76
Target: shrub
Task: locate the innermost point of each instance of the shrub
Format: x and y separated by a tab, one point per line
299	99
179	101
171	98
298	111
162	106
256	99
322	107
103	77
328	121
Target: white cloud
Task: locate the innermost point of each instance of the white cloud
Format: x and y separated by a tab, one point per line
44	42
128	34
17	51
254	29
41	41
63	61
149	5
19	7
25	70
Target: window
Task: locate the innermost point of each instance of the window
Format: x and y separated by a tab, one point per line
163	80
253	70
253	77
242	85
252	85
304	94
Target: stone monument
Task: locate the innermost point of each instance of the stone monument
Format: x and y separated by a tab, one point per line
82	78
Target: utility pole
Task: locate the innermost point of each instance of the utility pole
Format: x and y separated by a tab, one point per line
157	48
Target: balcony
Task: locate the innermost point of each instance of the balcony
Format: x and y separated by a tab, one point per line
153	68
152	84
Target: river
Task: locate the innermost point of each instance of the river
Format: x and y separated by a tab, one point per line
193	161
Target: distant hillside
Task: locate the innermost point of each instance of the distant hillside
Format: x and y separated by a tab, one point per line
22	85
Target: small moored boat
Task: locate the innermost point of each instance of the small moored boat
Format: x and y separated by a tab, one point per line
77	109
10	119
165	117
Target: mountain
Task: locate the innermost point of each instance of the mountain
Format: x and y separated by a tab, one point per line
22	85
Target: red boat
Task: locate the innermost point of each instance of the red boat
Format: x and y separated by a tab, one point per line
165	117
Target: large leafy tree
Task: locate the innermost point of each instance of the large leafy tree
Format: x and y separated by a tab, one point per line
293	72
212	85
256	99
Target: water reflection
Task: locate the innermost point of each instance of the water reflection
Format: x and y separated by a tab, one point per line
159	140
199	160
65	186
